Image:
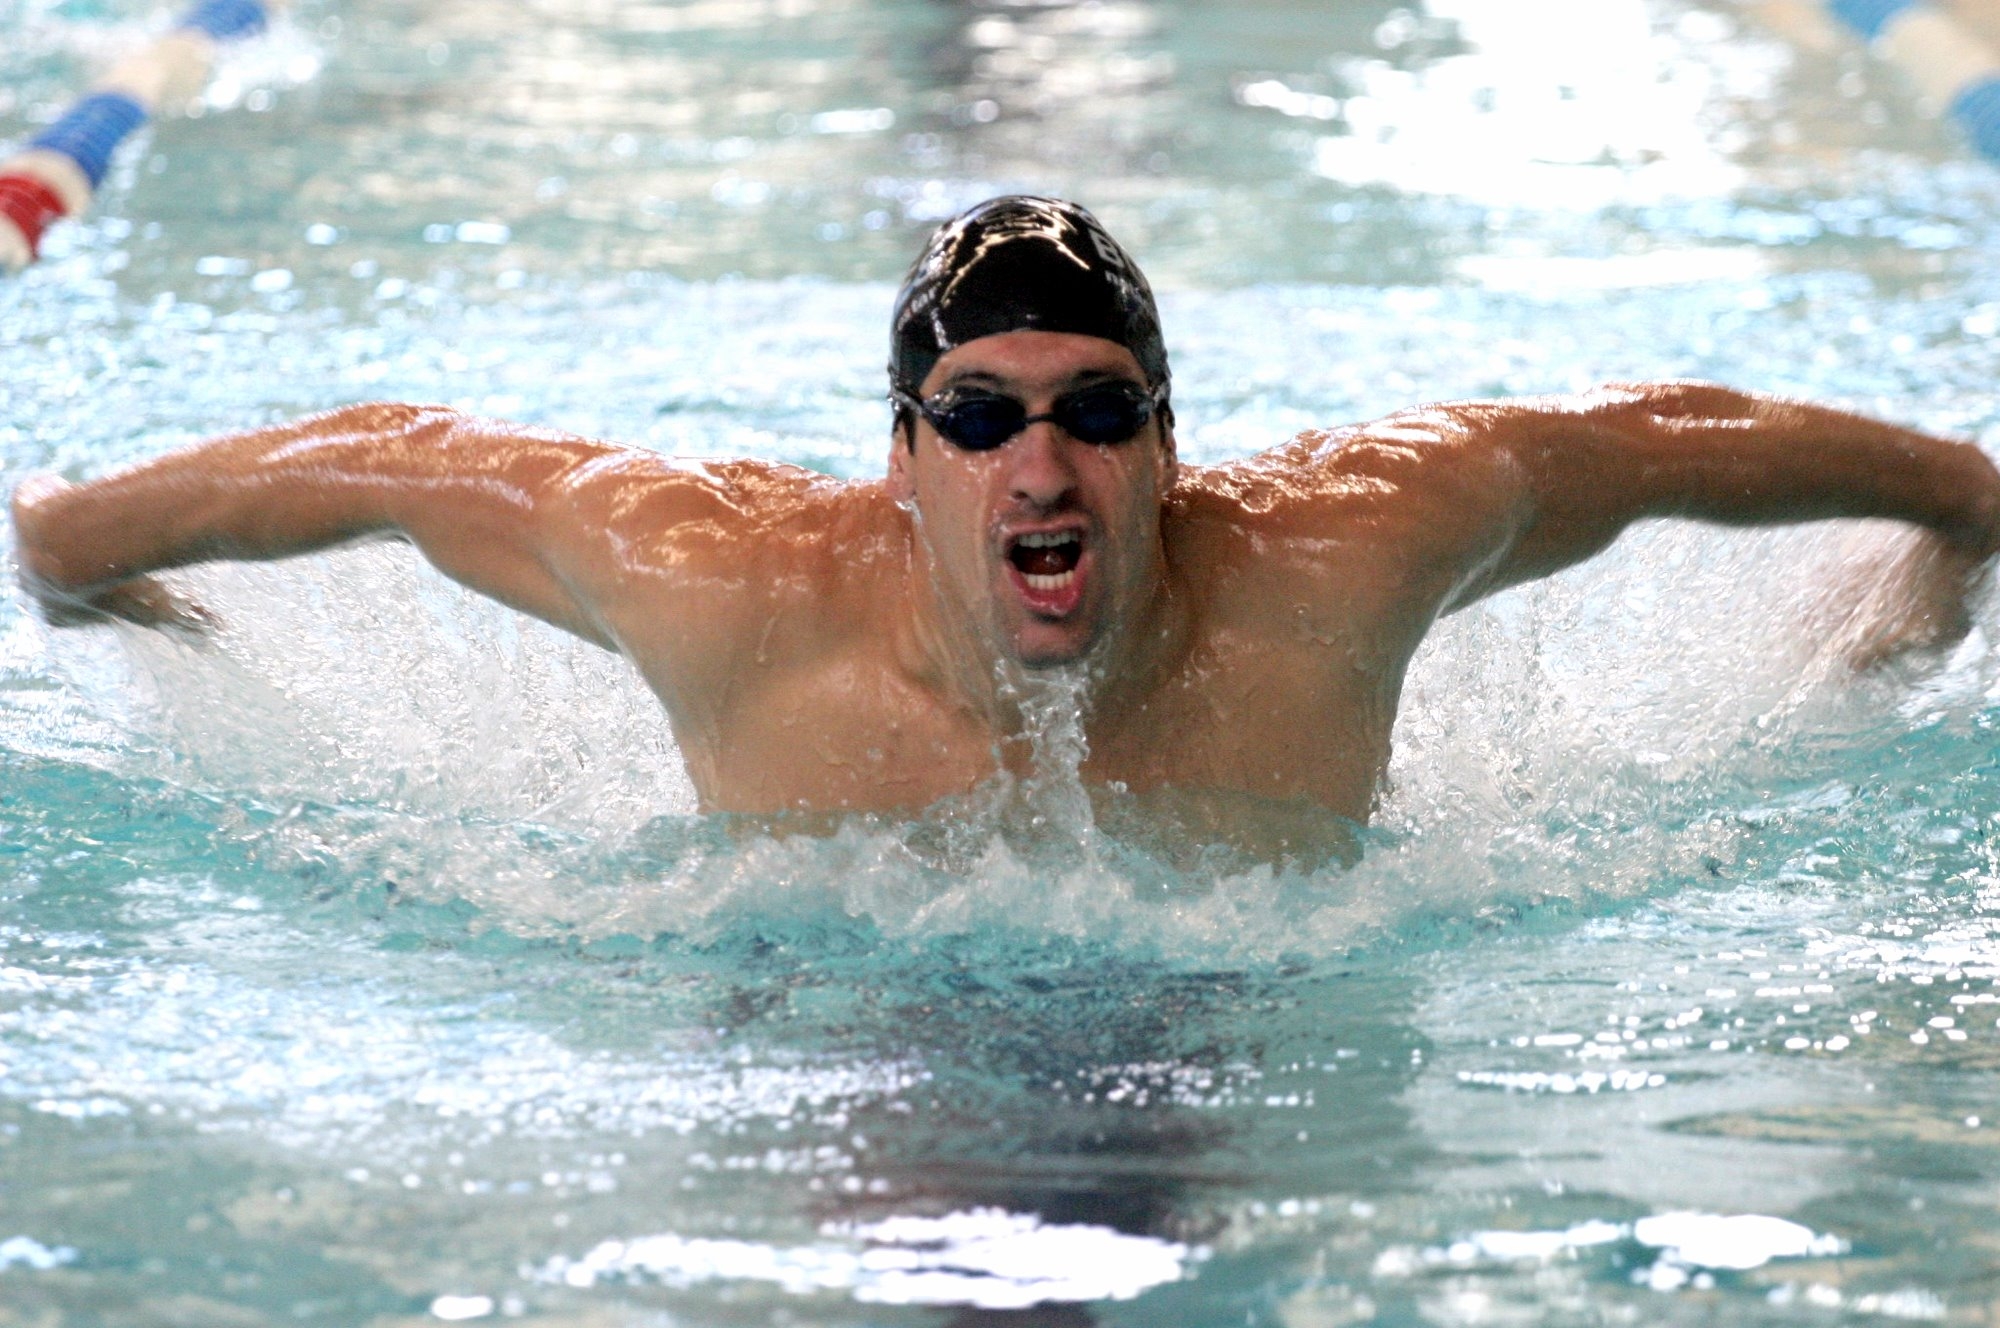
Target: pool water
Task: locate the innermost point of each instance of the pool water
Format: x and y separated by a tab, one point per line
369	965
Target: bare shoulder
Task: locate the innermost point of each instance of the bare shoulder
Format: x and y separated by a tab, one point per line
1384	480
714	557
1471	459
664	512
633	490
1365	532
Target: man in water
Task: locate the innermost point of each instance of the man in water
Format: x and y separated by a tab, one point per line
830	645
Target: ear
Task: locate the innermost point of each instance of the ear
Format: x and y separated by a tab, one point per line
902	485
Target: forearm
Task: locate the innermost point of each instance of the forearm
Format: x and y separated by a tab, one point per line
261	494
1589	466
1720	455
268	493
487	503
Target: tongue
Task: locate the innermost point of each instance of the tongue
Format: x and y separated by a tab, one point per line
1052	560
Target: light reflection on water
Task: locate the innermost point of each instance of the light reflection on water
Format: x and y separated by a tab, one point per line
370	965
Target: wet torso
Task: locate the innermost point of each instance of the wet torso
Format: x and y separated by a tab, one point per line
1302	614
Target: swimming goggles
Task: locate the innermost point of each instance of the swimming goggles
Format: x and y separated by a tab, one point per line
981	421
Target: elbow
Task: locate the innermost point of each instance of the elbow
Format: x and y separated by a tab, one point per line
1681	399
36	507
1977	529
372	423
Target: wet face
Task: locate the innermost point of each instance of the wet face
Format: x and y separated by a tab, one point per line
1044	544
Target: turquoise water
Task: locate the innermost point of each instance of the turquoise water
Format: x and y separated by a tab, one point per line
368	965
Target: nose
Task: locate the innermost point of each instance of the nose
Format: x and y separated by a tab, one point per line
1041	474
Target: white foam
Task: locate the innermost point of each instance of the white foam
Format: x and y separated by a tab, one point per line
1735	1243
983	1257
1688	1244
27	1252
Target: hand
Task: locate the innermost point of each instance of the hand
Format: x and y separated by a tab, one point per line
142	600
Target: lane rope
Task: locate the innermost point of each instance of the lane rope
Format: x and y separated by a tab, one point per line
1952	65
59	171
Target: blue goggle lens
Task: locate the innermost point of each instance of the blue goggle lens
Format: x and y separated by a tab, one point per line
1102	414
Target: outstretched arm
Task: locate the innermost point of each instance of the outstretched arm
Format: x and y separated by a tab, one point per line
487	503
1578	470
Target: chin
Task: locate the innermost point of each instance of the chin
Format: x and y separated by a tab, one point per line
1037	647
1047	662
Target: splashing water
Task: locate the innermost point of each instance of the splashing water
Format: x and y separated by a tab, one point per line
1596	738
1054	706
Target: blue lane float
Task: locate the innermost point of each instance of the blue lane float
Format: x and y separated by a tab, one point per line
1955	67
58	173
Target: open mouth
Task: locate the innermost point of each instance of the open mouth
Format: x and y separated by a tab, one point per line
1046	566
1046	561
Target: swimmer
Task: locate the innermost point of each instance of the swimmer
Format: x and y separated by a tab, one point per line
831	646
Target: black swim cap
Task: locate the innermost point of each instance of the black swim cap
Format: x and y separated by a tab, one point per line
1021	262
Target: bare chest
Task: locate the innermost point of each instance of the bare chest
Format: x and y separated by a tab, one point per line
1274	720
848	739
1271	720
